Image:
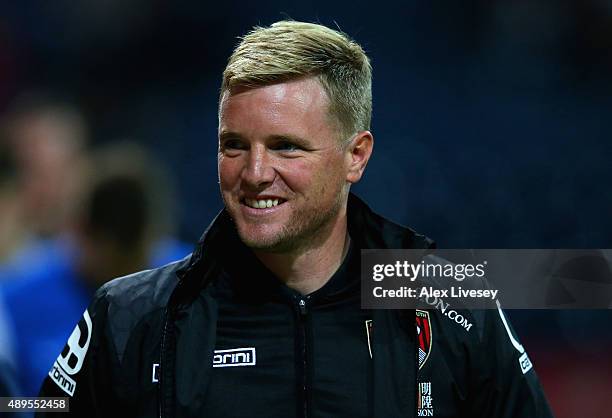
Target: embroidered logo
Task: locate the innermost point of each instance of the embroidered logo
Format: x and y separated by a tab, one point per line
423	328
155	373
235	357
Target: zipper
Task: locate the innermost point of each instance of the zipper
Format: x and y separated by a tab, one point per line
164	361
161	357
303	312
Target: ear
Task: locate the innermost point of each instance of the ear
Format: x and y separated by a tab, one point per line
358	154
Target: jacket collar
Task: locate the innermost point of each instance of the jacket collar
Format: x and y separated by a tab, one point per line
370	230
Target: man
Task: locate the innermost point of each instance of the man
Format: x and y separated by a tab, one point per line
264	319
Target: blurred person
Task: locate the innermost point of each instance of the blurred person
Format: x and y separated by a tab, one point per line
47	140
12	229
121	219
149	226
264	318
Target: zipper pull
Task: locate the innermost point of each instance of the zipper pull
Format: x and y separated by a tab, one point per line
302	304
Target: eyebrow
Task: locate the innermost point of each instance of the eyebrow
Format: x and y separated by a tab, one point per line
225	135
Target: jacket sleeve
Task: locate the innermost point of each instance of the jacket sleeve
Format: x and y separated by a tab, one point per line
504	383
81	371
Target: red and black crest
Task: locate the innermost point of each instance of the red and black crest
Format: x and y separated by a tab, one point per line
423	328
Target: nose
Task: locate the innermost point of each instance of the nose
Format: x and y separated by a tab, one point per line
259	171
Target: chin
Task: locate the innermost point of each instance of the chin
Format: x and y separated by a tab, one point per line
267	246
268	241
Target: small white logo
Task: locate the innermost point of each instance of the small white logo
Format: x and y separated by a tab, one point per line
155	375
234	357
525	363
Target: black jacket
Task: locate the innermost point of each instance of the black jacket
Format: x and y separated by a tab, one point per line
146	343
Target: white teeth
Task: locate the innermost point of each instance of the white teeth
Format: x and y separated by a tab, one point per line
261	204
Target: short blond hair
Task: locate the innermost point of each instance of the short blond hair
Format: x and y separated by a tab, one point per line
289	50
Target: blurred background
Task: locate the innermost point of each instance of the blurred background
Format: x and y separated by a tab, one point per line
491	121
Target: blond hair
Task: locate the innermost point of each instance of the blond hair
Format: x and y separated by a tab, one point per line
289	50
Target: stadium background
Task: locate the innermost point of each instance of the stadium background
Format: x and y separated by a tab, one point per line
491	121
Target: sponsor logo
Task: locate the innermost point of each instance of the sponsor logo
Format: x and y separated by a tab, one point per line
368	326
525	363
440	305
70	361
459	319
423	327
61	378
235	357
155	374
425	400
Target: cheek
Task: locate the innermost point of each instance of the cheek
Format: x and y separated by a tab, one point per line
298	175
313	178
229	172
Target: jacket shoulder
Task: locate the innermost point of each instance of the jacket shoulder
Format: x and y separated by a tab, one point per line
151	287
128	301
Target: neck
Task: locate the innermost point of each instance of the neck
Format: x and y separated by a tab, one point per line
308	269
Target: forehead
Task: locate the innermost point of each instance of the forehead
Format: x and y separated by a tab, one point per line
297	103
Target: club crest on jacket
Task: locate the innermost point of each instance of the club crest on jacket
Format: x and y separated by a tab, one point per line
423	328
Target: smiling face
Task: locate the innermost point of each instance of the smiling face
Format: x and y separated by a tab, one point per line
283	176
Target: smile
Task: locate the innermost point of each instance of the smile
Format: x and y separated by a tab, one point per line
262	203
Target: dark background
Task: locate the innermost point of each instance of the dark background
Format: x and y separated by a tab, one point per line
491	122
